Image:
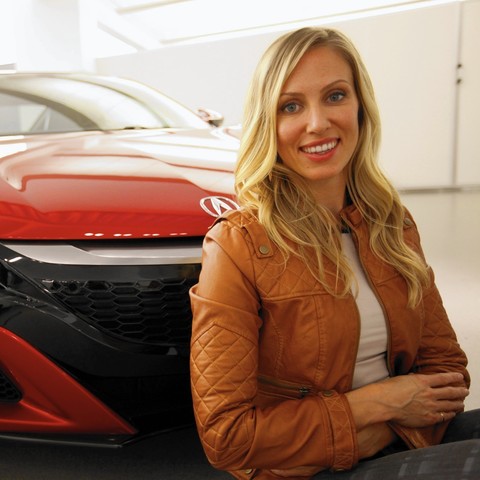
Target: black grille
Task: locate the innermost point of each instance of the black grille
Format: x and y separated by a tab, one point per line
153	311
8	390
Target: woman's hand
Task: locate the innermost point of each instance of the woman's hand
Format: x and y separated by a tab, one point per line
414	400
421	400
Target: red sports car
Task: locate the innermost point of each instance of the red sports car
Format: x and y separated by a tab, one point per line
107	188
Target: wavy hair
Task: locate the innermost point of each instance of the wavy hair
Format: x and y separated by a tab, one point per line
281	199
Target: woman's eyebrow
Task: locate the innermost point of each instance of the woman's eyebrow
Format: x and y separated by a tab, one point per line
326	87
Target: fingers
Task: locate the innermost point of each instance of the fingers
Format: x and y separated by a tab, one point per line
451	393
447	409
440	387
456	406
446	402
437	380
450	406
427	399
445	416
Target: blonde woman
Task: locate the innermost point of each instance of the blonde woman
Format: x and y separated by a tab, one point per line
319	338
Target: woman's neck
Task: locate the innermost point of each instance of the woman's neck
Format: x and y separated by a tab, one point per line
332	197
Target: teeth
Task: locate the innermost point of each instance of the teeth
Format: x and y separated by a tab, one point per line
320	148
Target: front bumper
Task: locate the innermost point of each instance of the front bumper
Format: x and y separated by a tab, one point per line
120	332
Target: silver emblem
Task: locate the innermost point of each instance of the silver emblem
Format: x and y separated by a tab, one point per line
216	206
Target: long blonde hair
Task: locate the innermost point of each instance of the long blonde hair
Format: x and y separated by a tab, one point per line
281	199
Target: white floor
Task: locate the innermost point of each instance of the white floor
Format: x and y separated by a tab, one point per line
449	224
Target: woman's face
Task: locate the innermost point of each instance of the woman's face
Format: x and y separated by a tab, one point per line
317	120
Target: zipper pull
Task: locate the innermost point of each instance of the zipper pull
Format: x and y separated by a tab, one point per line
304	391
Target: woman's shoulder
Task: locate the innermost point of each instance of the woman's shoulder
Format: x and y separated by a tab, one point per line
236	224
236	219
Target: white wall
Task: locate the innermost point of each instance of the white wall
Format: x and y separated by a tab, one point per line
8	48
412	56
468	130
51	35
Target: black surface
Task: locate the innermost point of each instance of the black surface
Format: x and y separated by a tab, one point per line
175	455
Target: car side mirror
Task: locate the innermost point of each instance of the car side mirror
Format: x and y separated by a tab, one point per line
210	116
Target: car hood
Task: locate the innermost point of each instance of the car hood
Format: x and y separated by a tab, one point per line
104	185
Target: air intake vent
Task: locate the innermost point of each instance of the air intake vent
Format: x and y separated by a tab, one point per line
8	390
154	311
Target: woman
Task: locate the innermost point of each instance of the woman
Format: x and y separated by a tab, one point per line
319	338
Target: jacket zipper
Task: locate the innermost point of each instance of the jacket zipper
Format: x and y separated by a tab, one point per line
374	290
357	344
301	389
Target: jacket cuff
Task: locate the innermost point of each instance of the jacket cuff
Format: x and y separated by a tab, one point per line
420	437
344	434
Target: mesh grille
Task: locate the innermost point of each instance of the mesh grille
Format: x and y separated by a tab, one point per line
8	390
146	311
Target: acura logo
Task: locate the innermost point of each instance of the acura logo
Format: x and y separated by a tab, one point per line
216	206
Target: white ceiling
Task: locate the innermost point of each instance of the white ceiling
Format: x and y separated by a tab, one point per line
152	24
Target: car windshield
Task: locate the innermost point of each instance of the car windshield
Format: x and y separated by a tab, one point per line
31	104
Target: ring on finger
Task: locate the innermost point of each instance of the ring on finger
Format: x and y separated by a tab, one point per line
443	416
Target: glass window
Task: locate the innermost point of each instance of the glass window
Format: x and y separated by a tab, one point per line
20	116
69	103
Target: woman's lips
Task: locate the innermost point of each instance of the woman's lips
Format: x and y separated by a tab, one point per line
320	147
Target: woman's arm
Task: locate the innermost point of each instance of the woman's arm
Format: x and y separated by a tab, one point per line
438	351
316	430
431	400
413	400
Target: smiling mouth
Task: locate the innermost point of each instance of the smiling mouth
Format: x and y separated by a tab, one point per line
326	147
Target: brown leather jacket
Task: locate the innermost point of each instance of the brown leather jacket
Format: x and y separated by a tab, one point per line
272	353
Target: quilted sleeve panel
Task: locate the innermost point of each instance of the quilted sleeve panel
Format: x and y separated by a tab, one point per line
236	434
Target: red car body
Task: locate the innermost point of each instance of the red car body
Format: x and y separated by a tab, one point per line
124	185
100	241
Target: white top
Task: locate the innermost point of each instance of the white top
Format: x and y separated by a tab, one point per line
371	357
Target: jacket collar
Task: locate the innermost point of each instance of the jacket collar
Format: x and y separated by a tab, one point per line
351	215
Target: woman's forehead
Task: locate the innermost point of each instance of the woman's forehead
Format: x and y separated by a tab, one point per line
320	65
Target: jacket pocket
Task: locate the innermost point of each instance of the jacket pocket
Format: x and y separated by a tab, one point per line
276	388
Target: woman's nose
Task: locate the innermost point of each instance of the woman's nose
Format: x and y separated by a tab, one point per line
318	120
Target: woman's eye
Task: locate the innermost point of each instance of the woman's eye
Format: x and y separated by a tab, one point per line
336	96
290	108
